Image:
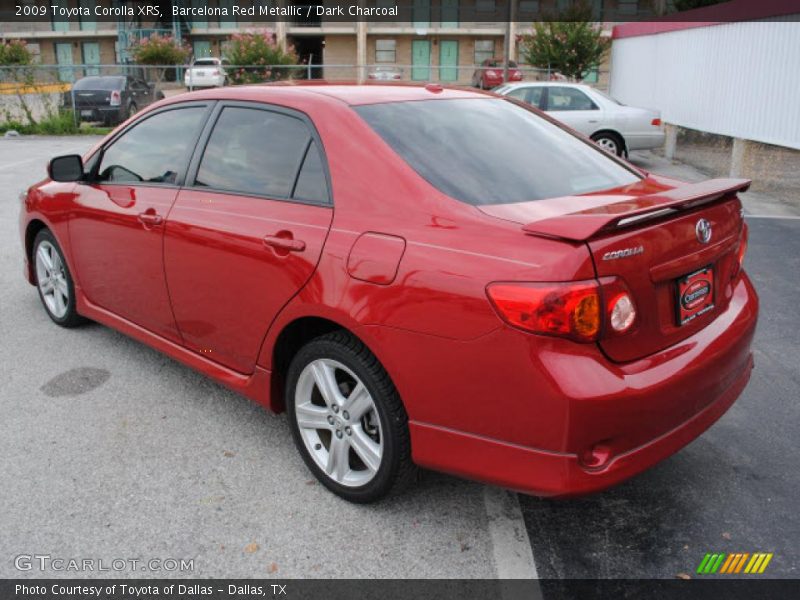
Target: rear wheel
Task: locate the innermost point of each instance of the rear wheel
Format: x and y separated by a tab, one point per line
54	281
610	142
347	419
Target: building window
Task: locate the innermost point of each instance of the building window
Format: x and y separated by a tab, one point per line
386	51
484	49
485	5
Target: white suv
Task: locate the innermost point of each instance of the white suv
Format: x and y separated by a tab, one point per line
206	72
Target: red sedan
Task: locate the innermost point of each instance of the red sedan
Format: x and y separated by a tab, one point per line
419	276
491	72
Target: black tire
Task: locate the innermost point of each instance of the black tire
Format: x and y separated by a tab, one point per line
606	139
396	471
71	318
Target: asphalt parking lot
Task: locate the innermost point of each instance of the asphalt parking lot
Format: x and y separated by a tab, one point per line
112	450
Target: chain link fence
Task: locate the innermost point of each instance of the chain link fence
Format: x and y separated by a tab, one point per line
32	94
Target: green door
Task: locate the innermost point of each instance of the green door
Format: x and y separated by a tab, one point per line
449	14
202	49
63	24
64	57
421	14
199	22
91	56
420	60
88	23
448	60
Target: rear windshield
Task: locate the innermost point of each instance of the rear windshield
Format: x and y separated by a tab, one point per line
99	83
491	151
206	62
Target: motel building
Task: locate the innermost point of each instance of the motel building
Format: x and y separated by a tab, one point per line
433	43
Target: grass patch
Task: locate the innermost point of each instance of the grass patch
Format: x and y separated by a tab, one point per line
59	123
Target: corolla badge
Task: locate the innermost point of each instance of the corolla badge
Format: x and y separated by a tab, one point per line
703	231
624	253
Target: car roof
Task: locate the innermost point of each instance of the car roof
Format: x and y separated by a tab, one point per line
352	94
547	84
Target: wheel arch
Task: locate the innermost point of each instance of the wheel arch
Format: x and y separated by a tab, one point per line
292	337
32	229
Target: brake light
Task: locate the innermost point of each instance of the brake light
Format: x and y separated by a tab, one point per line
570	310
516	76
491	73
656	122
116	98
216	72
741	251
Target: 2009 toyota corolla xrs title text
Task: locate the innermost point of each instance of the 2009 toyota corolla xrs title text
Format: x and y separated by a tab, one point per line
419	276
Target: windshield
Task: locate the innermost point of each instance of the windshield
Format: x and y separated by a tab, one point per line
100	83
491	151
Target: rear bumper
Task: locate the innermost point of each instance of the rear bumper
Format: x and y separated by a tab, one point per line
100	113
639	413
645	141
204	81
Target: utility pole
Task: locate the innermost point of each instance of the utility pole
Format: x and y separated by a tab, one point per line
512	13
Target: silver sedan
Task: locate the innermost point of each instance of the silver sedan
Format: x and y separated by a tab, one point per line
614	126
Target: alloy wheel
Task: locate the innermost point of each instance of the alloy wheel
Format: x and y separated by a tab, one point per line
338	422
52	279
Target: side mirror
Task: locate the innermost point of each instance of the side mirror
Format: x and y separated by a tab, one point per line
66	168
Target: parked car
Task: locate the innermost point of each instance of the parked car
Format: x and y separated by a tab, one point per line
206	72
110	99
490	74
385	73
614	126
526	310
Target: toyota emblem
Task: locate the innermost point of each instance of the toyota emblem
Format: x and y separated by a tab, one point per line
703	231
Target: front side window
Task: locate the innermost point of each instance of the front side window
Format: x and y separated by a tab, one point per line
564	98
492	151
155	150
261	153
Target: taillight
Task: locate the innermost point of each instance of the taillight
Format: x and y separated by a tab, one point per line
656	122
491	73
570	310
216	72
578	310
116	98
741	251
516	76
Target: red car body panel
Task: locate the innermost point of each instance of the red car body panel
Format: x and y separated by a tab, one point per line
409	278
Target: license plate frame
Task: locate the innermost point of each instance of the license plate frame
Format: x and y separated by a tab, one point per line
694	295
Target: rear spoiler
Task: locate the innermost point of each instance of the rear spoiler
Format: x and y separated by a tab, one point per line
583	225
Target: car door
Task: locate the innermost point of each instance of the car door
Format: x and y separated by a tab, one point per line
116	231
247	231
574	108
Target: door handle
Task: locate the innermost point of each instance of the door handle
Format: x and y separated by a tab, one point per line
150	217
592	120
284	241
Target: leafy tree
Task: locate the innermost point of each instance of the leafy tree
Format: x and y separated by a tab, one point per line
573	45
15	52
681	5
255	56
159	52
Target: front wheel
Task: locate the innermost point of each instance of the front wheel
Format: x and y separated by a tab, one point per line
347	419
54	281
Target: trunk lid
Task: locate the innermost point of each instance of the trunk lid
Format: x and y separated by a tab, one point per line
92	98
647	236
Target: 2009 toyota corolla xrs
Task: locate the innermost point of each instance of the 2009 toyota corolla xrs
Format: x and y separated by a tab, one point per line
417	275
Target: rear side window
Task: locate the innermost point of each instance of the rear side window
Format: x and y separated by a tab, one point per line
492	151
155	150
261	152
561	98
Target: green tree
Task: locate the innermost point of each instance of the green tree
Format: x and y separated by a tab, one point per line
159	52
681	5
14	52
572	46
255	57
